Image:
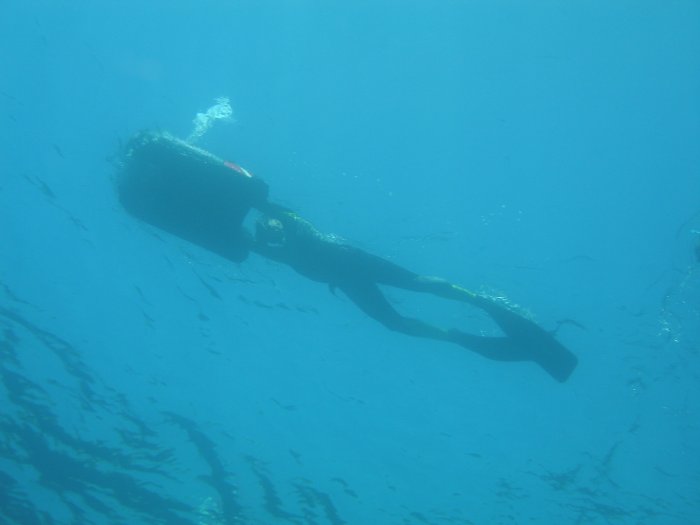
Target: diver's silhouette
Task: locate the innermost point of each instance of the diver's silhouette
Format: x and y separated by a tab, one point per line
204	199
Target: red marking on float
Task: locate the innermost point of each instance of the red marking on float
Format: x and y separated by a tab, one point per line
236	167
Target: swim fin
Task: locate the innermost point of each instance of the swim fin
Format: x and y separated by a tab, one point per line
536	343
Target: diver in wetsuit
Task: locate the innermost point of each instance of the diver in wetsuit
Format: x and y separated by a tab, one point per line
284	236
197	196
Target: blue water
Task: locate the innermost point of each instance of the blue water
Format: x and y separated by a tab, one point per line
543	151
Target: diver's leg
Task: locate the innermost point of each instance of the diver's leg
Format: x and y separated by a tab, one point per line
525	339
382	271
525	342
371	301
443	288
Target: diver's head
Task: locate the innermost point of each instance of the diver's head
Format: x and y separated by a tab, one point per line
269	231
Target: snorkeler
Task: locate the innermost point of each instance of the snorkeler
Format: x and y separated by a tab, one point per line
197	196
284	236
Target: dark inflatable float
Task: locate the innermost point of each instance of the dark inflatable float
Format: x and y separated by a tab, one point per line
188	192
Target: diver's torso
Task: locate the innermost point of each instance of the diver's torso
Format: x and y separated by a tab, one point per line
325	260
321	257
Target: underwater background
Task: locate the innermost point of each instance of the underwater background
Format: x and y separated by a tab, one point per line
544	151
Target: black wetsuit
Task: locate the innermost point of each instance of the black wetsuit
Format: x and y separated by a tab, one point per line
327	258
